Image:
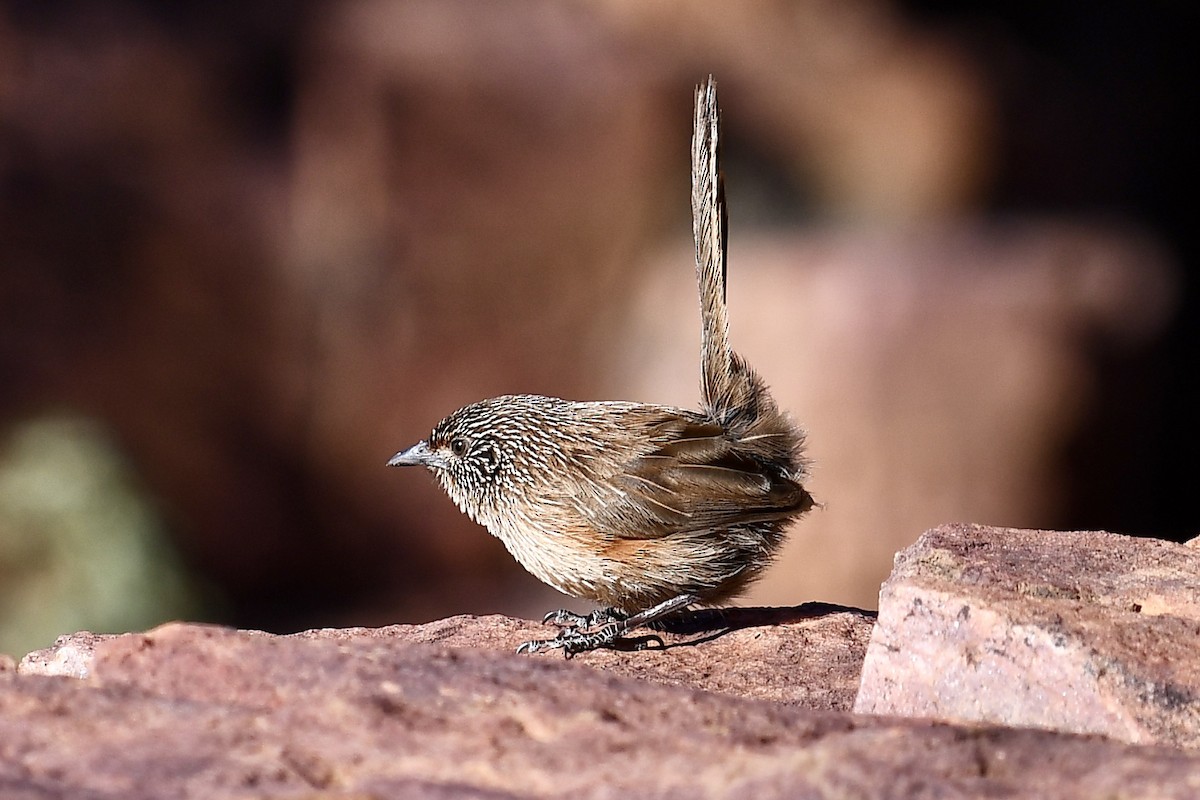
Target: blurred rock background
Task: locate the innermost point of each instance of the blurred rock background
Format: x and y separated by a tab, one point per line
248	251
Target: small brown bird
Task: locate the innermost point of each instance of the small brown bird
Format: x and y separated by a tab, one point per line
643	509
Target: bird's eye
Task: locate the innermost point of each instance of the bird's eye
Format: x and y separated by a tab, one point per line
458	446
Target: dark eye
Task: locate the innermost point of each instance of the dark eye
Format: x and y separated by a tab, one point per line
458	446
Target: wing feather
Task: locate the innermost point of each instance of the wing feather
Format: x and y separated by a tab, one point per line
695	478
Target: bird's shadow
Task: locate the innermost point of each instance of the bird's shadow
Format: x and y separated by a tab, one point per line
709	624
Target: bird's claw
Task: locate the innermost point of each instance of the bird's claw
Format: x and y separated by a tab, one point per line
573	640
530	647
650	642
569	619
605	627
565	619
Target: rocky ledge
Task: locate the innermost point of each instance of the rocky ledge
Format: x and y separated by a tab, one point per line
1003	663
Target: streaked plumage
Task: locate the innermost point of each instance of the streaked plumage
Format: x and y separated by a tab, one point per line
630	505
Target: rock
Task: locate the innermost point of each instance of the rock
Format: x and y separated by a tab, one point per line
1084	632
809	656
69	657
197	711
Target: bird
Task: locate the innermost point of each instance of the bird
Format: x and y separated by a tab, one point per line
645	510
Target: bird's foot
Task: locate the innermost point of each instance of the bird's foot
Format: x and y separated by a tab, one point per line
569	619
573	640
580	634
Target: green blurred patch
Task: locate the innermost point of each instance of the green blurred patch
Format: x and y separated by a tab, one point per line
81	544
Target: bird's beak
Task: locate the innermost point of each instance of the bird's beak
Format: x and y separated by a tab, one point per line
419	455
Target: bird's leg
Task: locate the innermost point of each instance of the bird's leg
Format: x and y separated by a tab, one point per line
569	619
573	640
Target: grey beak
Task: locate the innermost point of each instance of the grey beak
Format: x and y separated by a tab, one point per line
419	455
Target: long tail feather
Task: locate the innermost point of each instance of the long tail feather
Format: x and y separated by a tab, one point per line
709	225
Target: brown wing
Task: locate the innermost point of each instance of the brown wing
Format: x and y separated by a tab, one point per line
693	478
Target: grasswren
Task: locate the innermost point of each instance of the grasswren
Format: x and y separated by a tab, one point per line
642	509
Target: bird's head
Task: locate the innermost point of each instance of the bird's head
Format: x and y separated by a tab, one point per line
484	453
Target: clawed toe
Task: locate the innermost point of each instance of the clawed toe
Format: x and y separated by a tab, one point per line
651	642
604	627
534	646
569	619
565	619
573	640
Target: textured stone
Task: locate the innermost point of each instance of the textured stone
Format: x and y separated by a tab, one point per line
1084	632
195	711
69	657
809	656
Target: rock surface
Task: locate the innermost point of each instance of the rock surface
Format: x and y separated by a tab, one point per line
985	636
1084	632
196	711
810	656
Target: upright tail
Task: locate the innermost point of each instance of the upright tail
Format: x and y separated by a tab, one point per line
731	392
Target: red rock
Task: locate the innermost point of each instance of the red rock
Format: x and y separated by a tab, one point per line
809	656
70	656
1084	632
195	711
